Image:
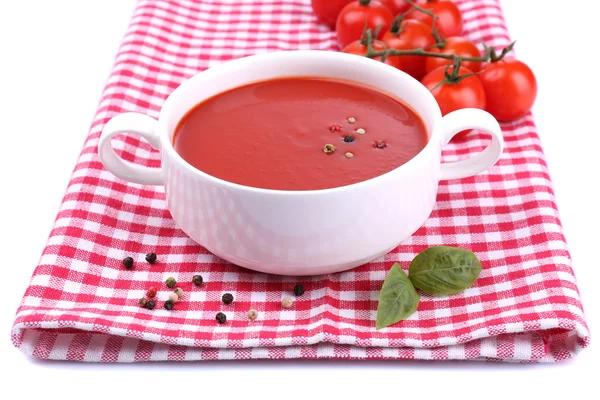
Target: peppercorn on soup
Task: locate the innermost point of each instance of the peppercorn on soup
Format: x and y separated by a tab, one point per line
299	134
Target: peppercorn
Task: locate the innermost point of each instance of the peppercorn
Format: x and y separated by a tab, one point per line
143	301
197	280
349	155
335	128
380	144
252	315
151	304
151	293
173	297
287	303
151	258
361	131
348	139
227	298
169	305
329	149
298	290
171	282
351	120
178	291
221	318
128	262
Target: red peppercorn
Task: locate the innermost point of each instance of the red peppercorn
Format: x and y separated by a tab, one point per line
151	293
335	128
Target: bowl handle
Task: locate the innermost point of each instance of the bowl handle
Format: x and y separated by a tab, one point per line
471	118
144	126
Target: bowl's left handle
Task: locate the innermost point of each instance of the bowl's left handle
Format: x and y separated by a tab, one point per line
142	125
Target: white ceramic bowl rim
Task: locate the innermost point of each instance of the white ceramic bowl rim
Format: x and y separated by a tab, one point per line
167	144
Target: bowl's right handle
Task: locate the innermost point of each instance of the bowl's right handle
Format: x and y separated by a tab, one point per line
144	126
471	118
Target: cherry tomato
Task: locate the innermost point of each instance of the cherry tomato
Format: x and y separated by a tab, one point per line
413	35
351	21
455	45
510	87
468	93
359	48
328	10
449	21
397	6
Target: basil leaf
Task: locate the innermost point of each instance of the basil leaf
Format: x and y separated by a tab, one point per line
444	270
398	298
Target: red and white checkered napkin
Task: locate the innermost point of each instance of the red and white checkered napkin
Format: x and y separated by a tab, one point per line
83	305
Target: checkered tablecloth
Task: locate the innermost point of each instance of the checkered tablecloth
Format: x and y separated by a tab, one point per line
82	304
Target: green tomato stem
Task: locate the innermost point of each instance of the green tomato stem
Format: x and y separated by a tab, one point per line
450	77
439	40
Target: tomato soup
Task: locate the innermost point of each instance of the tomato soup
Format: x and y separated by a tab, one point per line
299	134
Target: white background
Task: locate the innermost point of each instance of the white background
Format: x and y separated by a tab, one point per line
54	59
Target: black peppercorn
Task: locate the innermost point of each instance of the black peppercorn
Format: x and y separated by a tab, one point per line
150	304
128	262
197	280
169	305
348	139
143	301
221	318
298	290
151	258
227	298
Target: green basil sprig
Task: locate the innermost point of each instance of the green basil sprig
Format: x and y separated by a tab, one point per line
398	298
439	270
444	270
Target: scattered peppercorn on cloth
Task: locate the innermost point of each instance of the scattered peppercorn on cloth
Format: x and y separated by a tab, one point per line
82	304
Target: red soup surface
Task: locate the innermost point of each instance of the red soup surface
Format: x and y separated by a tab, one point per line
274	134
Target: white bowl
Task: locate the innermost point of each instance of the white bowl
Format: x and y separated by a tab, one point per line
301	232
